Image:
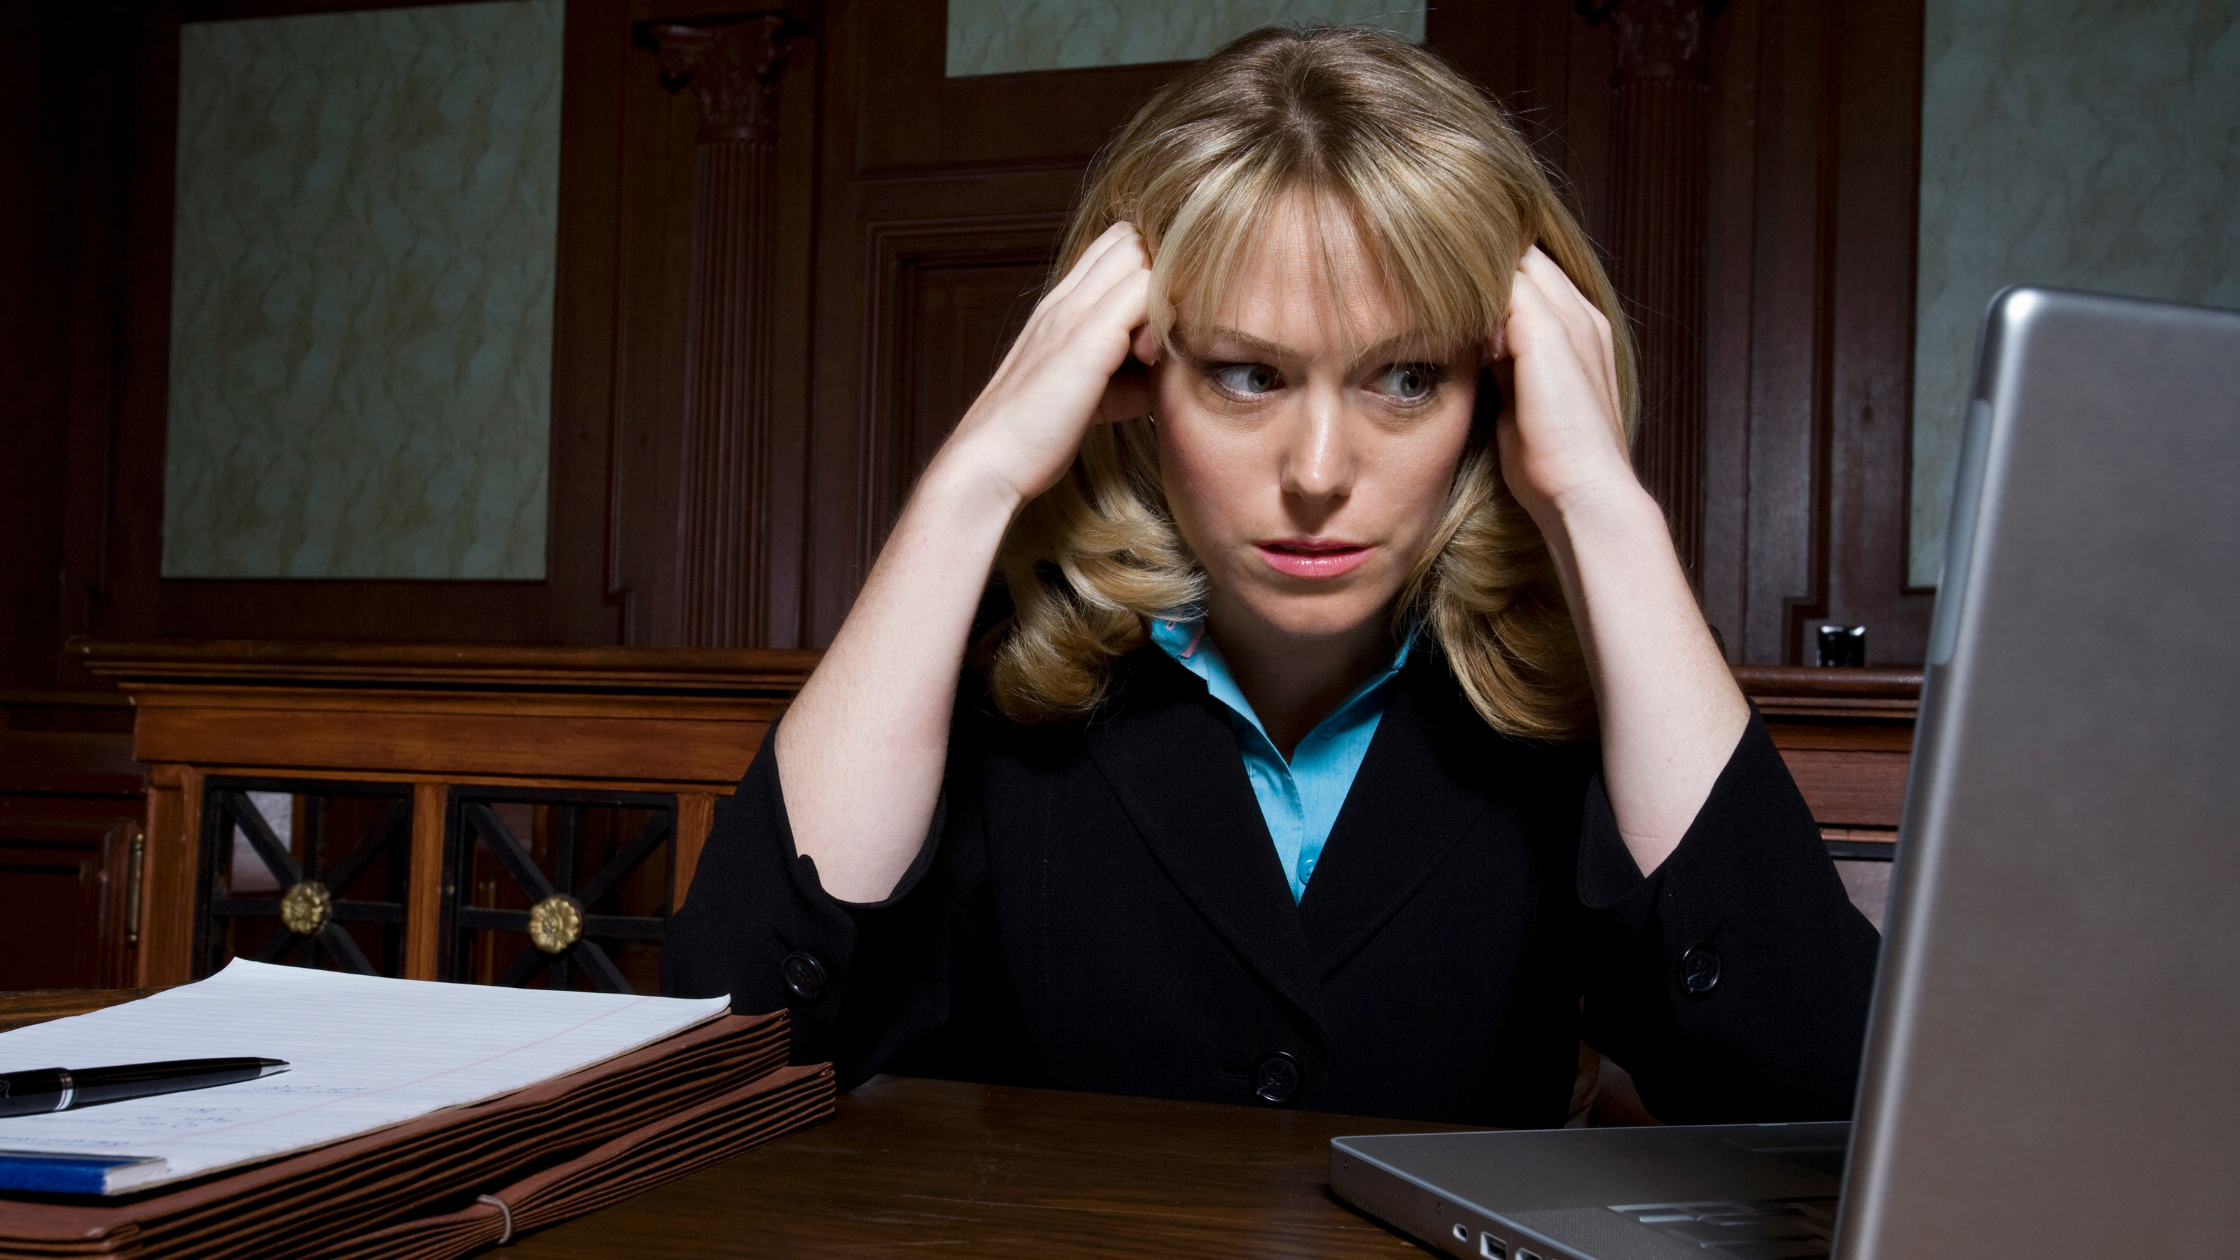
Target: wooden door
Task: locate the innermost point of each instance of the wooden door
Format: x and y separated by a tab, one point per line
941	203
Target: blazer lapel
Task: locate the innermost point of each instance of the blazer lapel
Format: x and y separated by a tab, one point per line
1172	760
1413	798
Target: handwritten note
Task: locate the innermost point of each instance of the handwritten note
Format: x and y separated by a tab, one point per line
365	1053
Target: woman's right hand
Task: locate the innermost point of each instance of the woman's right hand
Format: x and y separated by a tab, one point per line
862	750
1063	372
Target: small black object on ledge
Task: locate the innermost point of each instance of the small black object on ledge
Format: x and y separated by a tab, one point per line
1844	646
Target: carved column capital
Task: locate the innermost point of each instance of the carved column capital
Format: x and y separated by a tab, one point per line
732	67
1656	39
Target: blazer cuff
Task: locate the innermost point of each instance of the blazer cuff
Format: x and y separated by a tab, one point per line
1753	798
1738	973
759	925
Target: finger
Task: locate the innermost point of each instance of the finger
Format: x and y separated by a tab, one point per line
1120	302
1553	279
1584	323
1085	263
1046	308
1530	316
1081	265
1057	317
1116	252
1564	300
1122	260
1538	332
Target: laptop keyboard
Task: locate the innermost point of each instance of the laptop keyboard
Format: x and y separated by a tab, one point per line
1762	1229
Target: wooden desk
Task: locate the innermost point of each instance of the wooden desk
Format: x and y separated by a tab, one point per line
919	1167
939	1168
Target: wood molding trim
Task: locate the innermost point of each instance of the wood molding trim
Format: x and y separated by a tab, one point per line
480	666
1799	690
896	253
428	711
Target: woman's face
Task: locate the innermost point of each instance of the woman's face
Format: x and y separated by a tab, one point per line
1307	450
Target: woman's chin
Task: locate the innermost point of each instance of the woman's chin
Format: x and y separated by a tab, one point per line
1317	619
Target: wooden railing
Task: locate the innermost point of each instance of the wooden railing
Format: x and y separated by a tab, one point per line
1847	735
425	737
554	726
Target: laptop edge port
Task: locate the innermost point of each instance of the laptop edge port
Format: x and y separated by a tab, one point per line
1492	1248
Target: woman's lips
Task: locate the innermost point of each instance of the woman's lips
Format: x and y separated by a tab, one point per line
1313	557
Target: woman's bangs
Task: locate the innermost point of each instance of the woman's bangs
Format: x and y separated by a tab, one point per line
1445	261
1206	249
1208	244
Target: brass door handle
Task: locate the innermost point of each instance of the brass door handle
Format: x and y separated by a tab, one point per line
139	853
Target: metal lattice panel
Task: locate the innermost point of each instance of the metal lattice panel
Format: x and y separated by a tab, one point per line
325	875
583	881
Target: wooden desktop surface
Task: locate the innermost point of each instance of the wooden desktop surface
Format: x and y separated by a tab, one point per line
939	1168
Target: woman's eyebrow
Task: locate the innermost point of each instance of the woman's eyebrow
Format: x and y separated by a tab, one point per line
1407	345
1258	345
1400	344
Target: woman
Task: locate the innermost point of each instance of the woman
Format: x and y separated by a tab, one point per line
1351	738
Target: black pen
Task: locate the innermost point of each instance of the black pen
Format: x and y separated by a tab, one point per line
62	1089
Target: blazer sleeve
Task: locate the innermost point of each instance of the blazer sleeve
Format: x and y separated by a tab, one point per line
1733	981
860	980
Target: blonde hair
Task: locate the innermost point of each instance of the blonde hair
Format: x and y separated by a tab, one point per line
1444	197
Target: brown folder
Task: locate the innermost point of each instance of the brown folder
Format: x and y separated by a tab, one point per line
550	1151
655	1154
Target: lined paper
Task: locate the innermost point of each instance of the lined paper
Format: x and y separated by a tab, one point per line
364	1053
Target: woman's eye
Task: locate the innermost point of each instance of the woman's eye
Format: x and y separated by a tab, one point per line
1246	379
1408	382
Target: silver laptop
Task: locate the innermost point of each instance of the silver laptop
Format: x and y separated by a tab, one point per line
2053	1060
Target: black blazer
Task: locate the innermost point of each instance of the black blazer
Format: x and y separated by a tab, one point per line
1099	907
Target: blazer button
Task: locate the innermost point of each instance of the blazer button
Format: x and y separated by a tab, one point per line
1699	969
1276	1080
804	975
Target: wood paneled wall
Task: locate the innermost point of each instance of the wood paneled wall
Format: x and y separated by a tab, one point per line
1806	342
905	221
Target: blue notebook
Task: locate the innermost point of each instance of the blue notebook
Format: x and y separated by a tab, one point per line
47	1173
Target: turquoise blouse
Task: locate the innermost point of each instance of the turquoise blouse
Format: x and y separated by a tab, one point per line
1299	798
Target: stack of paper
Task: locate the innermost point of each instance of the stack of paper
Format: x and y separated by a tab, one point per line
405	1102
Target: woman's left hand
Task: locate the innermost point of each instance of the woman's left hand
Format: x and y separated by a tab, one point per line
1560	431
1670	713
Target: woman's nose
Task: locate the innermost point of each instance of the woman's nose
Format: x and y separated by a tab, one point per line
1318	463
